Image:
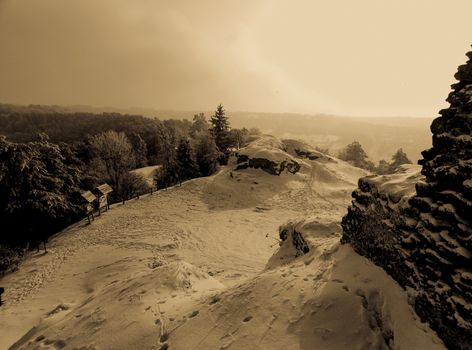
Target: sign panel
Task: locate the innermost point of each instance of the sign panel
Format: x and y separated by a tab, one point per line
102	201
89	208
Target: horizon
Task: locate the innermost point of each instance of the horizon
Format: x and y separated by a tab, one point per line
346	59
207	112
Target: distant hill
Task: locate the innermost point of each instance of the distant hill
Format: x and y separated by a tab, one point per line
380	137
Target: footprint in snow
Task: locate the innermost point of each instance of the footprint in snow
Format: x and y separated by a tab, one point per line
247	319
214	300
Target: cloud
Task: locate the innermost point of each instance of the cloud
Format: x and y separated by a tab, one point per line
365	58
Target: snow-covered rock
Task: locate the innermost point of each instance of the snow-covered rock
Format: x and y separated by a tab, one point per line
419	229
267	153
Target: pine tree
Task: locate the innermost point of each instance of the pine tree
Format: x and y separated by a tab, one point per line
220	130
355	155
399	158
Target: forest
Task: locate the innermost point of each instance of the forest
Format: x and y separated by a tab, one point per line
48	159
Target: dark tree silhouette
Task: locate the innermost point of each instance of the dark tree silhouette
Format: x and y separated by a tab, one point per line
399	158
132	185
206	154
38	185
139	150
220	130
355	155
187	167
168	174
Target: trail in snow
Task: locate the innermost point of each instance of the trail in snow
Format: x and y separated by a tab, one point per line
195	267
170	225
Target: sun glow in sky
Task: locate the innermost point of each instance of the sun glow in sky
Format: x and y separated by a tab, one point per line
360	58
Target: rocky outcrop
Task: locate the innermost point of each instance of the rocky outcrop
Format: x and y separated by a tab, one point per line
268	154
307	239
422	236
290	232
377	222
302	150
269	166
306	154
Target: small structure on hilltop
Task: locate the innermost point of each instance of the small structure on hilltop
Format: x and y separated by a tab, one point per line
89	199
103	191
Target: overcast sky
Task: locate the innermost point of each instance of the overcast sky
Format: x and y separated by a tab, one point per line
362	57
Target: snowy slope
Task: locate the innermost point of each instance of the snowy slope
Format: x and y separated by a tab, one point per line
199	266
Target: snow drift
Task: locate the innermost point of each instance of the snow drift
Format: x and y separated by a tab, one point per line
199	266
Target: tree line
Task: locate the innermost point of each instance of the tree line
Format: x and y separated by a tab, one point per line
356	156
42	176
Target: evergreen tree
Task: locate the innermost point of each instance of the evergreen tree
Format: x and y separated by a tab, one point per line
355	155
399	158
187	167
37	191
220	130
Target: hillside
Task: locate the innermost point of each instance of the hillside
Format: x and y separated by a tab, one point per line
205	266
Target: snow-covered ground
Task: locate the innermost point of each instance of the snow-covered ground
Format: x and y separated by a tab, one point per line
147	173
199	266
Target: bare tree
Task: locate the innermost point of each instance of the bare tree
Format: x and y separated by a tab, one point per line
115	152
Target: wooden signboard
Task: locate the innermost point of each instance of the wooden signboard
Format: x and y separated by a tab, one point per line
89	199
105	189
103	192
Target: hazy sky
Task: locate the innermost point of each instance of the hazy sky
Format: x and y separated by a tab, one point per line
362	57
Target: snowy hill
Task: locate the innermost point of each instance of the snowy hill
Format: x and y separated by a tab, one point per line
199	266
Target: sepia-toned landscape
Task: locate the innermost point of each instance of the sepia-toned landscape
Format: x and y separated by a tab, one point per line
235	175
